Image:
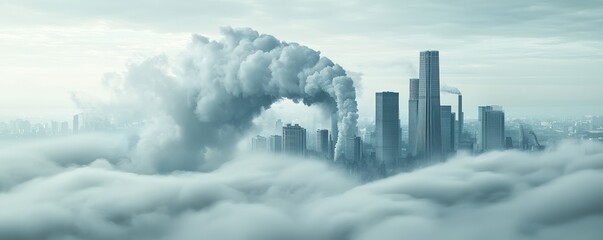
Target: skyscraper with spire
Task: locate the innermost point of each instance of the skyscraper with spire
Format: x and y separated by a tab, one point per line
429	134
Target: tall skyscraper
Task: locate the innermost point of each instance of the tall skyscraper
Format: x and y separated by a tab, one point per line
349	149
387	121
322	142
429	134
258	144
491	134
413	116
447	121
294	139
276	143
358	149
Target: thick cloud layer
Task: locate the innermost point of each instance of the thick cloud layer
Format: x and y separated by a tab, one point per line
204	101
499	195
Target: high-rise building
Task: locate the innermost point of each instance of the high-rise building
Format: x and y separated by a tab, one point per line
481	118
413	116
276	143
294	139
387	122
76	123
358	149
491	134
447	121
349	149
322	142
353	150
429	135
258	144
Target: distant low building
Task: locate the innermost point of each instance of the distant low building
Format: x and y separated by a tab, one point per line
276	144
294	140
258	144
491	134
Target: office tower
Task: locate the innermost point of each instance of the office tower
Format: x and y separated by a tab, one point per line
429	139
258	144
481	116
491	134
387	123
76	123
358	149
322	142
447	122
349	149
353	150
413	114
459	124
276	143
294	139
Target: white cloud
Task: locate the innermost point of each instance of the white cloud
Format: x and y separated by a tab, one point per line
500	195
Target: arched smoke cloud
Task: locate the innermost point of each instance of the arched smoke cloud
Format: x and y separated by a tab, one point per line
500	195
207	98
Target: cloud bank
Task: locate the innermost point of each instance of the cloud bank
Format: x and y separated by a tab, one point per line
49	194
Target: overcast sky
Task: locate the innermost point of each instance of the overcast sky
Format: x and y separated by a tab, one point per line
532	57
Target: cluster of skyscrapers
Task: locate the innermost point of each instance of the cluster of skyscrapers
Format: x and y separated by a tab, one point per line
20	127
293	141
435	131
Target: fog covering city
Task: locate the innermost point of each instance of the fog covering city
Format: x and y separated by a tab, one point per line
180	174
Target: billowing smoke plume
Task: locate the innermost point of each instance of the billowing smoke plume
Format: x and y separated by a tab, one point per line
203	102
450	89
76	188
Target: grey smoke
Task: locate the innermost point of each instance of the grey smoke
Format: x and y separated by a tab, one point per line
450	89
499	195
201	103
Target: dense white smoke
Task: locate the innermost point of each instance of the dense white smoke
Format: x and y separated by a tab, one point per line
76	188
450	89
206	99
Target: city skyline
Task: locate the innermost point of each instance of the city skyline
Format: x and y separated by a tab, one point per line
299	120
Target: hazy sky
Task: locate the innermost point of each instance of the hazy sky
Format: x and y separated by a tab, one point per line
532	57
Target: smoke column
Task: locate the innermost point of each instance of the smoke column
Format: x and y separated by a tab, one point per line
208	98
450	89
